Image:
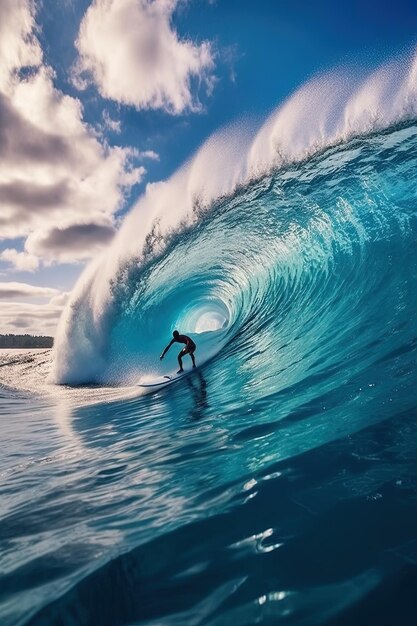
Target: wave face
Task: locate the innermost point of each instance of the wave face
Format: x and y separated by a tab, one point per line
255	238
297	273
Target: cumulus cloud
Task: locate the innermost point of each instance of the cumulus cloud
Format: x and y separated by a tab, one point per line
149	154
22	196
110	123
21	261
62	243
54	169
60	300
131	51
9	290
18	45
22	141
20	310
35	319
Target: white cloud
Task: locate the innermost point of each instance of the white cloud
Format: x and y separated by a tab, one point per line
110	123
18	47
9	290
63	243
35	319
21	261
20	315
149	154
55	172
59	300
131	51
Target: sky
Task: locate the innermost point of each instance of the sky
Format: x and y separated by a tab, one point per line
99	98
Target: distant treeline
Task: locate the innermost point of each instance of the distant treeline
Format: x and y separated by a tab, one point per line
25	341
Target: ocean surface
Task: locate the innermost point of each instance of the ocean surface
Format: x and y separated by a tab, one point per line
277	483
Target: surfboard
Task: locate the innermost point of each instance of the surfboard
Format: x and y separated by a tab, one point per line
161	381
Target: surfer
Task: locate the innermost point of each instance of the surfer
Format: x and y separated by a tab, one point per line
189	348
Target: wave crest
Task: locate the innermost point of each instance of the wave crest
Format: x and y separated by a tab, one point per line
174	263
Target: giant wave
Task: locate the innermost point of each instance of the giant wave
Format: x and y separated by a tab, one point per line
263	244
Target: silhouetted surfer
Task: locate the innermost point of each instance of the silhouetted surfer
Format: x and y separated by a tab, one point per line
189	348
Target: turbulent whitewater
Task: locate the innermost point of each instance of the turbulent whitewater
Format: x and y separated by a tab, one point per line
278	483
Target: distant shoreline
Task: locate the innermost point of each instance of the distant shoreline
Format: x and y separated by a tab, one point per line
25	342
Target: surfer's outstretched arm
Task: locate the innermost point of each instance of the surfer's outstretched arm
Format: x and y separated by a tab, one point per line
166	349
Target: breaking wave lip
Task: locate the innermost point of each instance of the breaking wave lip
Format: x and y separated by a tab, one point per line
130	297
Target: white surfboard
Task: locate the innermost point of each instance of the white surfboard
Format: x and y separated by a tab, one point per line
163	381
160	381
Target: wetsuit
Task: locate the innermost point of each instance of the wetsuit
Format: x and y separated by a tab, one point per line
189	344
188	349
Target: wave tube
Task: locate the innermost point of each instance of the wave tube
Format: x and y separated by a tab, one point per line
259	231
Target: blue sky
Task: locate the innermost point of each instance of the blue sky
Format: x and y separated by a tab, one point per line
265	49
100	98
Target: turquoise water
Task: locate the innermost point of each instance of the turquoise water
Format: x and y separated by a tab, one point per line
277	483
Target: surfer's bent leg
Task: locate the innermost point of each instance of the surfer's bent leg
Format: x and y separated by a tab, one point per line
180	359
192	357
